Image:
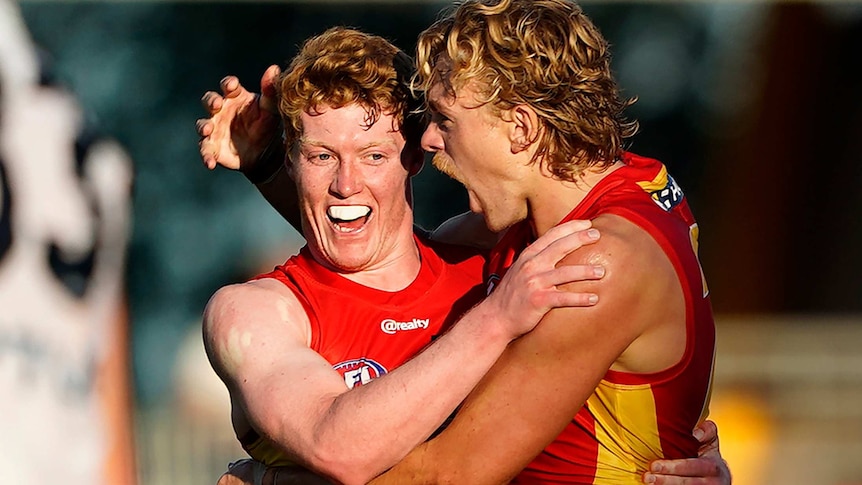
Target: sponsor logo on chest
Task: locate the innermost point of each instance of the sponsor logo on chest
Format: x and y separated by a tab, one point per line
391	326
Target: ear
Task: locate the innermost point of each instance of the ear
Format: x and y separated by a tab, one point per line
525	127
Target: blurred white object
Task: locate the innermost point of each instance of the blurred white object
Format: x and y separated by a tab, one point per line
64	218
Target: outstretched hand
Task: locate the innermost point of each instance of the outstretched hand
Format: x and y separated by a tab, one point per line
241	124
709	468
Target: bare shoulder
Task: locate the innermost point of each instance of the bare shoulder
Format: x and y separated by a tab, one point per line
627	251
233	304
640	294
247	314
638	273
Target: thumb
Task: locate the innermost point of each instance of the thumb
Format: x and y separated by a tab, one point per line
268	90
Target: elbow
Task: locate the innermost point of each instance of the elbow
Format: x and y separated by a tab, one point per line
346	467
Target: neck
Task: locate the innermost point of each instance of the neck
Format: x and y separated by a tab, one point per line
395	272
553	199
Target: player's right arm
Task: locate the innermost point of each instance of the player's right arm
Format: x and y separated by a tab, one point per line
257	338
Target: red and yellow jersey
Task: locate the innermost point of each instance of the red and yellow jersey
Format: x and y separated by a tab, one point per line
365	333
632	419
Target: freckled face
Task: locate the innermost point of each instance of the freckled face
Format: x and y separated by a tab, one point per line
471	144
353	188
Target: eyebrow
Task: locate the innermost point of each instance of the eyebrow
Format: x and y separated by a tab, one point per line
379	143
433	106
371	144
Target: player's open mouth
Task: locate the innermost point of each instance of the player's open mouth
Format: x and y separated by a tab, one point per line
348	218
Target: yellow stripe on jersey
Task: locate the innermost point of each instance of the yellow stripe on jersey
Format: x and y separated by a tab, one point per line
658	183
626	430
704	412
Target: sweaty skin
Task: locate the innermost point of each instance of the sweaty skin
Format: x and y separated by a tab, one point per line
234	348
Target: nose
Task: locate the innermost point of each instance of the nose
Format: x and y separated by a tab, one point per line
431	139
348	180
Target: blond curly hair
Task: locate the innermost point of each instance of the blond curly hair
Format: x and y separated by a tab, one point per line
543	53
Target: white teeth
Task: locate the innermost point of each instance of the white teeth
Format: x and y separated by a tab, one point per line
348	212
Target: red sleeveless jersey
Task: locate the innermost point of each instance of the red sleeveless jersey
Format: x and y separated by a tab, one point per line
365	333
632	419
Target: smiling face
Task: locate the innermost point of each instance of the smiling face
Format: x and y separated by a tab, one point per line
354	191
473	143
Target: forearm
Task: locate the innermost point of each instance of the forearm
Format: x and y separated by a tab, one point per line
372	427
280	192
497	432
271	178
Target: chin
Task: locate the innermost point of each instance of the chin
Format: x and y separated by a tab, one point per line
348	265
497	224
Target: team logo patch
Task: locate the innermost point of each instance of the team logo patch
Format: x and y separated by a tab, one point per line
668	196
358	372
391	326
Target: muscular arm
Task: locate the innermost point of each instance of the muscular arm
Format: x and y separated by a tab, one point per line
256	336
544	377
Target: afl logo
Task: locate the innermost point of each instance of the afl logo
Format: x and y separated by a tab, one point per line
668	196
492	283
358	372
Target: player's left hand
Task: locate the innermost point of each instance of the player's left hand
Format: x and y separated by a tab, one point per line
241	124
709	468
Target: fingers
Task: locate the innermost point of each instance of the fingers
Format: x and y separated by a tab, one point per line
675	480
212	102
230	86
562	299
708	469
570	274
566	274
557	232
566	244
689	467
268	89
204	127
560	244
205	145
706	432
